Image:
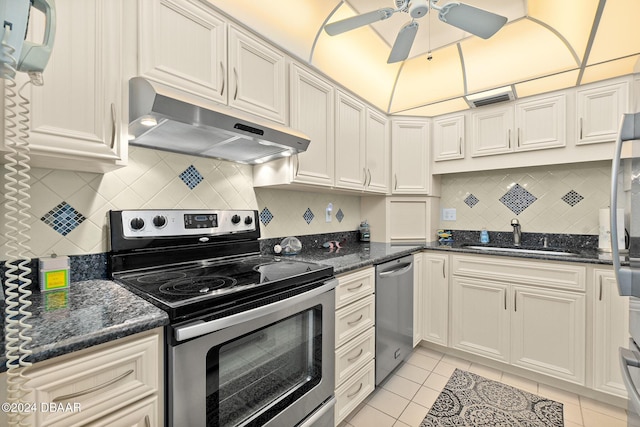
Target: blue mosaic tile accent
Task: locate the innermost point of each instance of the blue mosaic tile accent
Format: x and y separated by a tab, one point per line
308	216
266	216
63	218
518	199
340	215
191	177
471	200
572	198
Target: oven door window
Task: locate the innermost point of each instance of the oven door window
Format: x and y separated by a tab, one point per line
252	378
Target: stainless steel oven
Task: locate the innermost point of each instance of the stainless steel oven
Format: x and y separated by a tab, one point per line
251	337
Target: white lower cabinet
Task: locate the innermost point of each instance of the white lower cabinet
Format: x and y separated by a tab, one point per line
435	298
355	340
530	314
610	331
114	384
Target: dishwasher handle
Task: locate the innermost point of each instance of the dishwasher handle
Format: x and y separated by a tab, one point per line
396	270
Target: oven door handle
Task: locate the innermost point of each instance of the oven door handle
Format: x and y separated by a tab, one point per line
200	327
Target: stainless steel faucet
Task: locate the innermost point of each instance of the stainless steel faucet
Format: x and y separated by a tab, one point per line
517	233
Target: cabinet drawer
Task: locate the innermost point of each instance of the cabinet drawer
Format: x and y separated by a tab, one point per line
354	391
354	319
140	414
354	355
99	382
354	286
535	273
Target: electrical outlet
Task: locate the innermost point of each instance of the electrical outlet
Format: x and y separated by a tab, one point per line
449	214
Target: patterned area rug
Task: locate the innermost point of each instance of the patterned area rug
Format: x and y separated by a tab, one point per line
471	400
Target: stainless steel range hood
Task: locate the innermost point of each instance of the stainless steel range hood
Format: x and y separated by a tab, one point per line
165	118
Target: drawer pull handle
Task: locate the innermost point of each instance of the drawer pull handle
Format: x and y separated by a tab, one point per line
235	74
147	422
600	296
114	129
92	389
353	322
353	288
223	78
351	359
349	396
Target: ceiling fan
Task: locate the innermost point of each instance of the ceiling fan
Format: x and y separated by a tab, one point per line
468	18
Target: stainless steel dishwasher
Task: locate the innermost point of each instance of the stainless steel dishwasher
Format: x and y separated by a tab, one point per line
394	314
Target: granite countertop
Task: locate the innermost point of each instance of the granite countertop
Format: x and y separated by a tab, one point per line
90	312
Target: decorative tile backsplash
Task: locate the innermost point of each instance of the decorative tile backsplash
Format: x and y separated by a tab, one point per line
546	199
69	209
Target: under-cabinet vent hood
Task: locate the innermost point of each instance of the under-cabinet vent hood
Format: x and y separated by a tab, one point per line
165	118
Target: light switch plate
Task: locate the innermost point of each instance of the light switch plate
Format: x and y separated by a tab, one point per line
449	214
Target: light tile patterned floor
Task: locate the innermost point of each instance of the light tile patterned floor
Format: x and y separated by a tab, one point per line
405	398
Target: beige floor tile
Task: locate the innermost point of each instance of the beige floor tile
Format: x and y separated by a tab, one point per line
561	396
572	413
603	408
520	382
401	386
422	361
597	419
413	373
388	402
413	414
436	382
570	424
456	361
369	416
445	369
344	424
485	371
429	352
426	396
401	424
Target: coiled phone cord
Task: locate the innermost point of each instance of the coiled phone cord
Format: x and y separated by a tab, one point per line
17	327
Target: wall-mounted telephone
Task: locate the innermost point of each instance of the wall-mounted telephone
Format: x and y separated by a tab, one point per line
25	56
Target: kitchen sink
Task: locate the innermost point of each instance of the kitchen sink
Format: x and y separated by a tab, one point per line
536	251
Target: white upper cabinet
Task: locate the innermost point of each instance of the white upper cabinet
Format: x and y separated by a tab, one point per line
312	112
599	110
378	163
448	137
410	156
192	56
527	125
207	57
76	117
257	76
351	171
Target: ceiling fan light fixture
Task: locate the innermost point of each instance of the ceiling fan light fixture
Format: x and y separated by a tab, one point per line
418	8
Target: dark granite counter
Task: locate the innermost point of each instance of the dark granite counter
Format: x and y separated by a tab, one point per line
91	312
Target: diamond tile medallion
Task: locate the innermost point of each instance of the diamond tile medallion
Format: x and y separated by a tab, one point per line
191	177
518	199
340	215
308	216
265	216
63	218
471	200
572	198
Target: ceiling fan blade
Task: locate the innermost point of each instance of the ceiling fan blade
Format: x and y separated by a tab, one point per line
476	21
403	43
357	21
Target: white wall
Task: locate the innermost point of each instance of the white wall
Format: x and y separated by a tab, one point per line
152	180
547	214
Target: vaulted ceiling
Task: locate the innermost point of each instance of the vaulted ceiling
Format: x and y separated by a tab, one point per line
546	45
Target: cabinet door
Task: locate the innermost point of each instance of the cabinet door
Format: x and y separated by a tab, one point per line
76	117
256	76
481	321
410	156
611	331
350	142
435	299
448	138
183	44
418	289
492	131
599	112
540	123
377	152
312	108
548	332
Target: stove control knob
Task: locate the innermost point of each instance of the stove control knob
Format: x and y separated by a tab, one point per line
159	221
137	223
248	220
235	219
